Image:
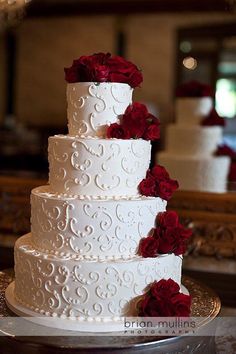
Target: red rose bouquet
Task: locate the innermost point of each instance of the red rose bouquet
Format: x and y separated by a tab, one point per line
101	67
136	123
164	299
232	172
158	183
213	119
194	89
225	150
169	236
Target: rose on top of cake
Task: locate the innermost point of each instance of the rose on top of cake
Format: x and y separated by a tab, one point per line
103	67
194	100
194	89
137	122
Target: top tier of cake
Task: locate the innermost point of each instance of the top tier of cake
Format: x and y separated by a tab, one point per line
191	110
92	106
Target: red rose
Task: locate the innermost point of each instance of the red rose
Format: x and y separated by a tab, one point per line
213	119
159	172
71	74
102	67
181	304
168	219
117	131
164	287
99	73
225	150
148	247
152	307
194	89
147	187
164	299
159	183
152	132
134	119
136	78
166	188
137	122
169	241
124	71
156	232
232	172
173	240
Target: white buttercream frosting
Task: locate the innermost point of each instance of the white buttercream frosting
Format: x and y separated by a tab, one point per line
97	167
192	140
197	173
191	110
59	287
91	229
94	106
80	260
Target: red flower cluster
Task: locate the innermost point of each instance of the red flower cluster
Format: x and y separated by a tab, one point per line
225	150
158	183
169	236
136	123
232	172
213	119
103	67
194	89
164	299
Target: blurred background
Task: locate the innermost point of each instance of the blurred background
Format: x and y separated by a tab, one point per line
172	41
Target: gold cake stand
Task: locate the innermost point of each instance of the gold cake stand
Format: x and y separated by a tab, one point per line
205	304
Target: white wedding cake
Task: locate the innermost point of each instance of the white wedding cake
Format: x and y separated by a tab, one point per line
189	152
79	265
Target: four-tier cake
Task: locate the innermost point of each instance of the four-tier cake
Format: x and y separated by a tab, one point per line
80	265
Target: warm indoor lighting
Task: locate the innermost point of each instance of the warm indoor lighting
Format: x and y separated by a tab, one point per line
190	63
185	46
8	5
11	11
226	97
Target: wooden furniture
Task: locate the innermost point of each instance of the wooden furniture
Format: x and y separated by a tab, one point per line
212	218
211	256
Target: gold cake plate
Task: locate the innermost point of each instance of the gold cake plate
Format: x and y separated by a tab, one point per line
205	304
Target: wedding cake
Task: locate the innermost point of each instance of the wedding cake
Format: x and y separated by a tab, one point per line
82	264
192	141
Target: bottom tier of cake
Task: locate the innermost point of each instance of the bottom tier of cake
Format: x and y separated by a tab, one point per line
197	173
67	288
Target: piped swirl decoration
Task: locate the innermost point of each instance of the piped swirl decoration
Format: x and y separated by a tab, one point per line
92	107
55	286
90	228
80	262
97	167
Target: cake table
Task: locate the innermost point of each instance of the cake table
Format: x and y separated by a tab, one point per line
205	304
